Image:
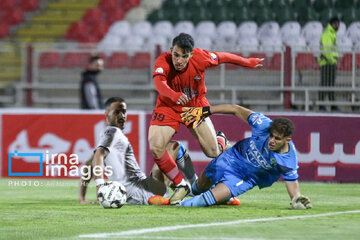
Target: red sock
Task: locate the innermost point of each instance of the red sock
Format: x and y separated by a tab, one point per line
168	166
221	142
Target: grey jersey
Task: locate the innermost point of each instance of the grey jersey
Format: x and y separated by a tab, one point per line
125	168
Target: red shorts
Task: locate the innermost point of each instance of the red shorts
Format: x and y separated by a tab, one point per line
168	116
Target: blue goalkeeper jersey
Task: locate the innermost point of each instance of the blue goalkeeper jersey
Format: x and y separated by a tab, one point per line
253	160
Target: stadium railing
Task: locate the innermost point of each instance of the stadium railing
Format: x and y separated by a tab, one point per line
280	84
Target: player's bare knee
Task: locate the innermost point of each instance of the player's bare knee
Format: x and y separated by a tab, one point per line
157	149
212	152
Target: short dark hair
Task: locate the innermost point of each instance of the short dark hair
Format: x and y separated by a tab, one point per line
94	58
283	126
112	100
334	20
184	41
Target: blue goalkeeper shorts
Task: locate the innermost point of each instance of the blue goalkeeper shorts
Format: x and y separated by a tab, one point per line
220	170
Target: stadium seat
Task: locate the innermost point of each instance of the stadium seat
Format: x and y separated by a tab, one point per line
164	28
226	29
242	14
133	43
117	60
29	5
275	62
284	14
140	60
290	30
350	15
357	58
72	60
327	14
270	45
263	15
344	44
344	4
99	29
205	29
247	29
200	15
314	46
304	61
320	5
256	4
247	45
298	44
8	5
280	4
185	27
342	30
221	15
345	62
269	30
157	40
92	15
114	14
353	32
49	60
107	5
142	29
128	4
110	43
14	16
306	15
4	30
312	31
77	31
203	42
120	29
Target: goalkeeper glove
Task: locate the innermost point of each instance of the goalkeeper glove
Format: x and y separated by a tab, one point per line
300	201
195	115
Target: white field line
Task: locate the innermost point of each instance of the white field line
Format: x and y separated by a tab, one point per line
177	227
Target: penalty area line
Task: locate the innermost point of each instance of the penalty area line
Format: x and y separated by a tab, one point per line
177	227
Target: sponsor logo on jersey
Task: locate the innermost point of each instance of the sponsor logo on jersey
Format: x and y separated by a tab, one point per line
190	93
213	56
159	70
256	159
197	78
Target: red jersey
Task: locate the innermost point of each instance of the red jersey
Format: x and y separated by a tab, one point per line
190	81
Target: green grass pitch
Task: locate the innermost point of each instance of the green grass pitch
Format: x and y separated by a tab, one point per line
51	211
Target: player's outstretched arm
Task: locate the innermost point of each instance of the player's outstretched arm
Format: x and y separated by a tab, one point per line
84	181
239	111
298	201
225	57
98	165
196	115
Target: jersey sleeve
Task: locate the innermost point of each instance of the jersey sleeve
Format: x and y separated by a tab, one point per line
288	164
107	138
259	123
206	59
161	67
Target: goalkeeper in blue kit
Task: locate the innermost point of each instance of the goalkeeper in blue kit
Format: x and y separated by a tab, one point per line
259	160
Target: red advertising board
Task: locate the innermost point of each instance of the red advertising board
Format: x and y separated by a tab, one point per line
328	146
27	139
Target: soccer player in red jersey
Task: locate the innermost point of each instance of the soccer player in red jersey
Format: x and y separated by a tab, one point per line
179	77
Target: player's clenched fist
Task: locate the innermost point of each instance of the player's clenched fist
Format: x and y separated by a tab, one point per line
300	201
194	115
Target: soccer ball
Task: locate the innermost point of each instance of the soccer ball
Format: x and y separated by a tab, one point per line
112	194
